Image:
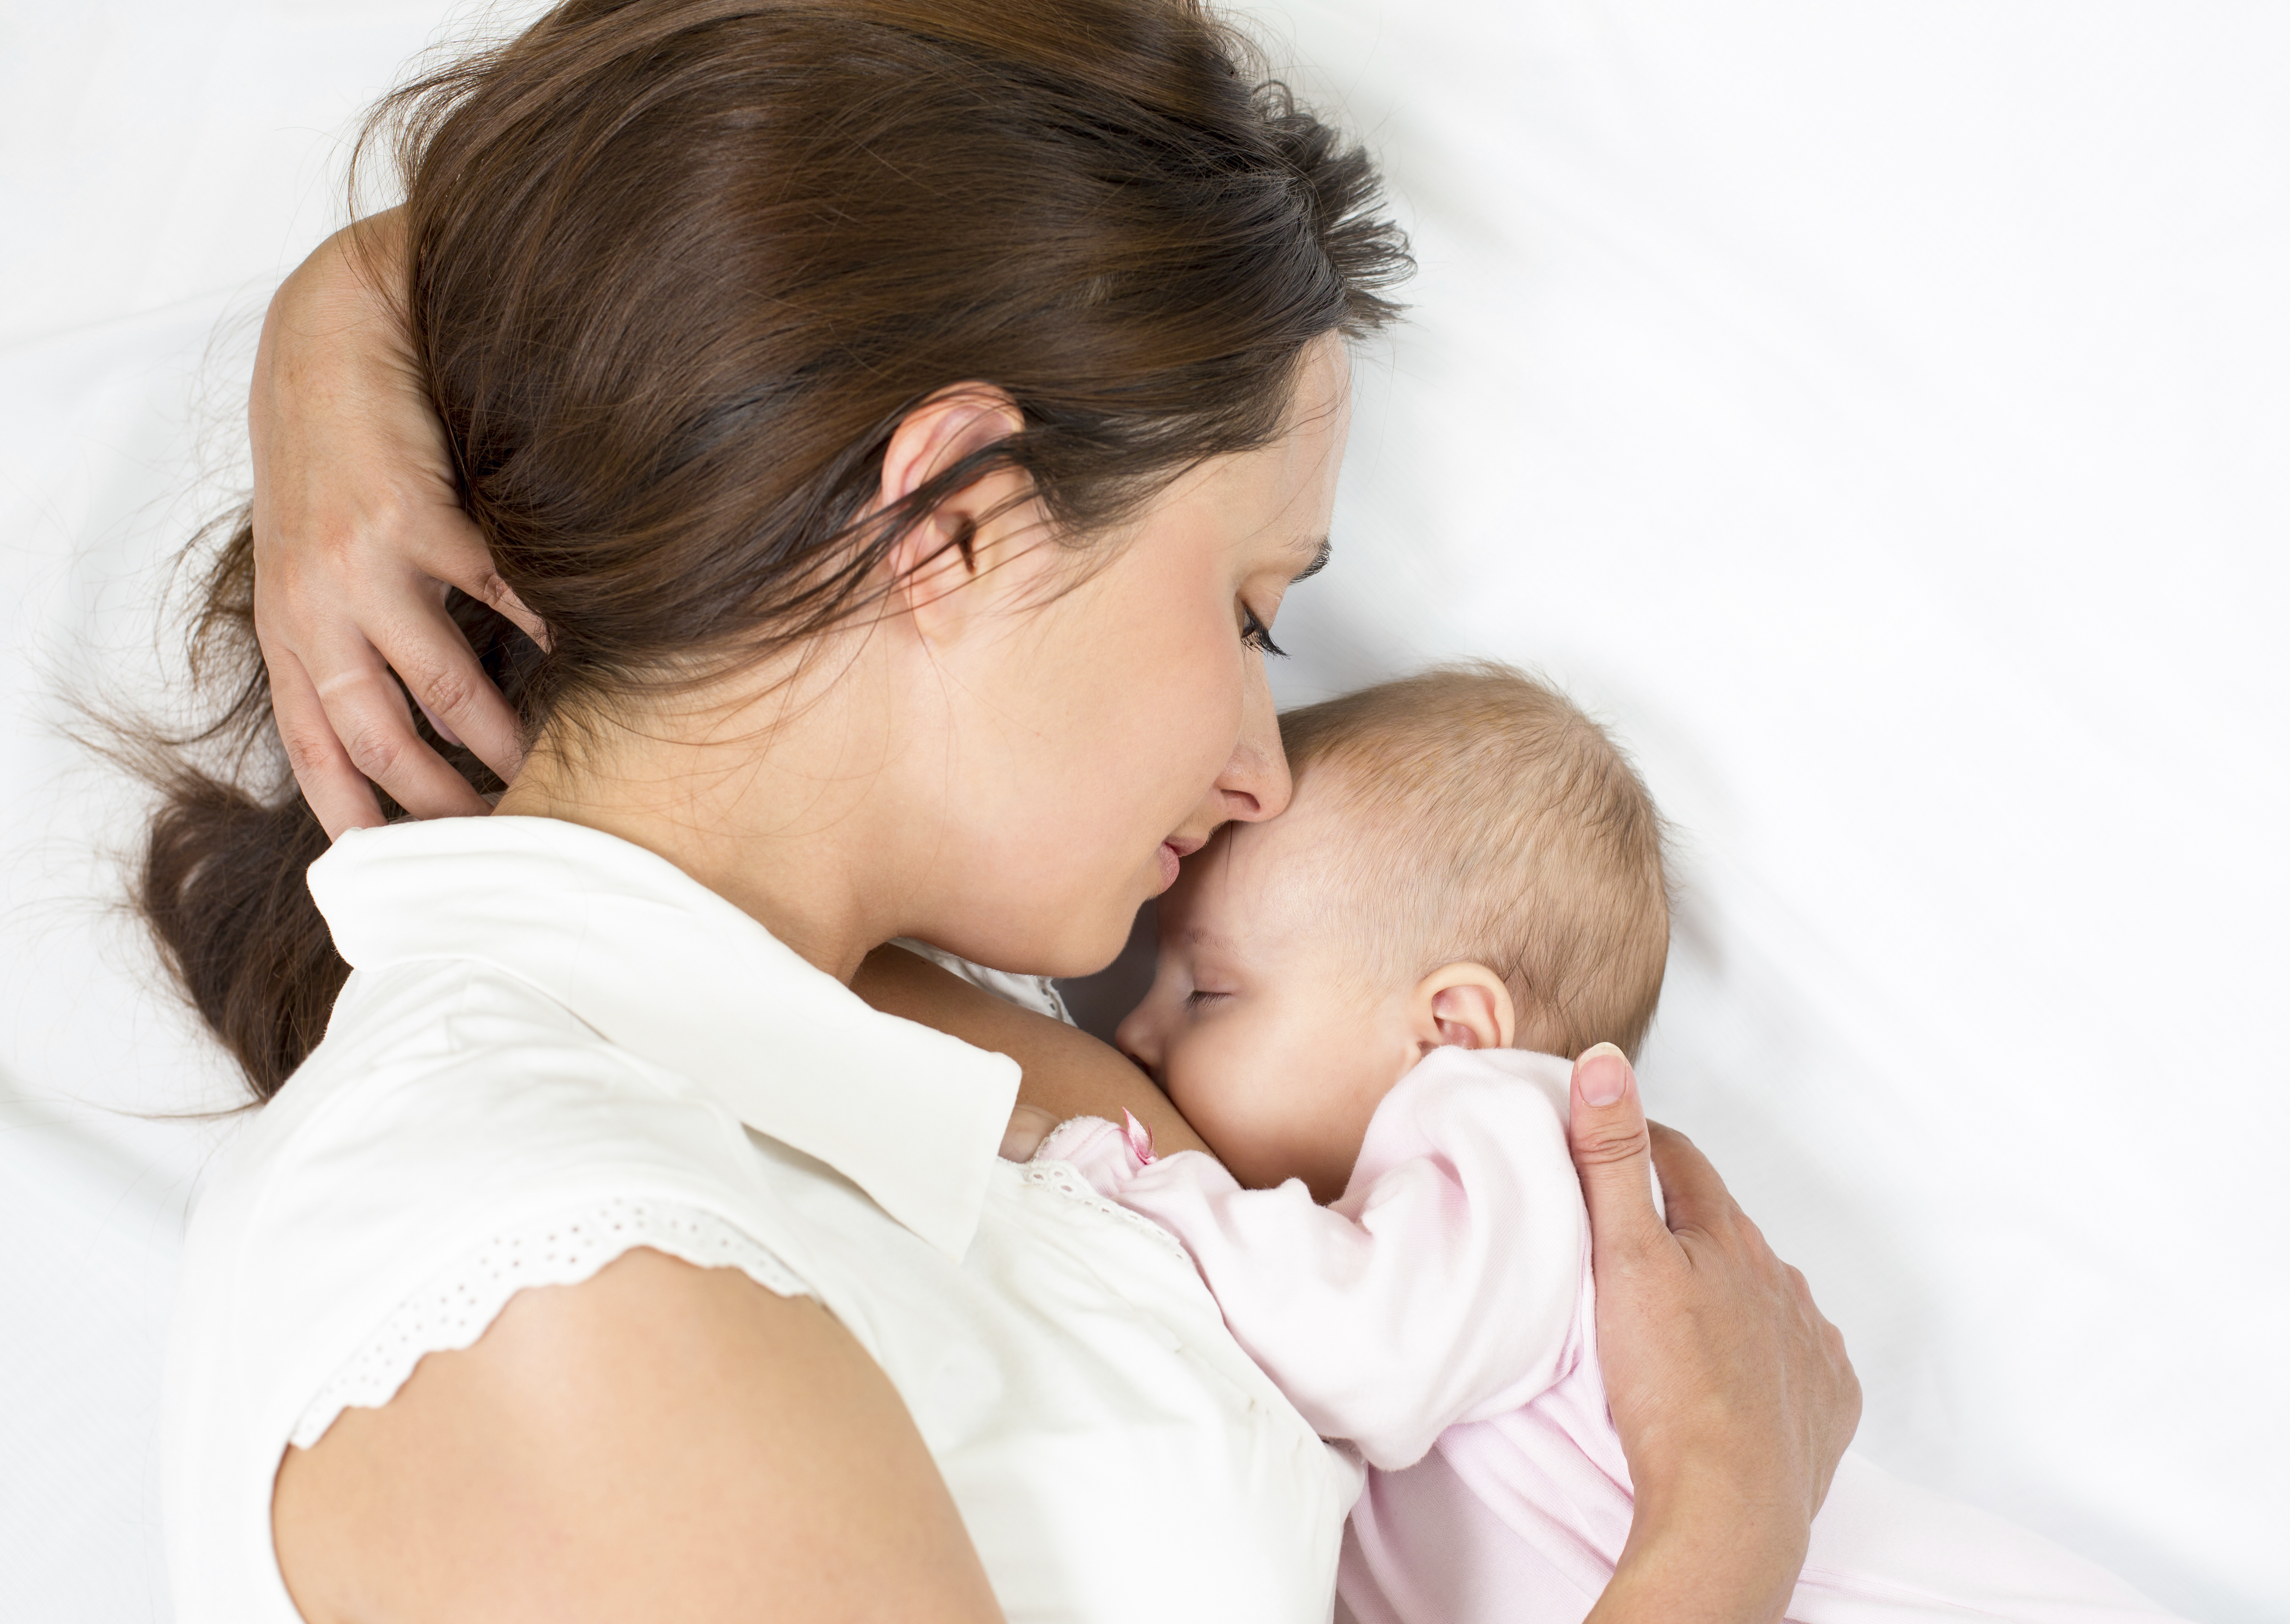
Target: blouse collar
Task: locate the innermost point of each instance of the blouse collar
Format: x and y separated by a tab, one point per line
660	966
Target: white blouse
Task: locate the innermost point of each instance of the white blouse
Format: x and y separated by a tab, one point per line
556	1047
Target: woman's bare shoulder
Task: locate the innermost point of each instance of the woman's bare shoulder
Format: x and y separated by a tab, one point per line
1067	1072
659	1440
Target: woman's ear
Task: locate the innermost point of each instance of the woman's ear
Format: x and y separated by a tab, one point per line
1465	1006
961	538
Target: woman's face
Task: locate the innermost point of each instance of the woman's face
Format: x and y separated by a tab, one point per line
1096	738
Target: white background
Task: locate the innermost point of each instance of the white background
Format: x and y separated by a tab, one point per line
1877	410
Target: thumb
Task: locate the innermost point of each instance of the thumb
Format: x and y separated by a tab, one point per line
1606	1130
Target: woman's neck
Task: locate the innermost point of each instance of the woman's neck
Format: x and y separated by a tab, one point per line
790	835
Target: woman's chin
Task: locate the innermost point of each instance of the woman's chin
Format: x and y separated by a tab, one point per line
1072	942
1087	956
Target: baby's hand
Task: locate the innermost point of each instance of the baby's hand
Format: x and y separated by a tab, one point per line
1030	1126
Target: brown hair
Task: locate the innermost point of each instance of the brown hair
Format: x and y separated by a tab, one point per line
676	269
1496	823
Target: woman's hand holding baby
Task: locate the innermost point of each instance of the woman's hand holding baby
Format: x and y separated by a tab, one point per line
1733	1396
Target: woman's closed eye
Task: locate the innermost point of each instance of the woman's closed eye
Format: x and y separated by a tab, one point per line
1256	635
1199	999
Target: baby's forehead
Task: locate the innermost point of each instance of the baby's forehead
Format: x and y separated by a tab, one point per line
1316	829
1290	879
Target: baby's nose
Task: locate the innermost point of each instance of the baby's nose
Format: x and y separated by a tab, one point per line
1139	1038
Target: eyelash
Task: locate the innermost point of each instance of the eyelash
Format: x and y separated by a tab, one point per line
1196	998
1256	635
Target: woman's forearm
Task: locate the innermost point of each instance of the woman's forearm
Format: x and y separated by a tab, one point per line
1705	1552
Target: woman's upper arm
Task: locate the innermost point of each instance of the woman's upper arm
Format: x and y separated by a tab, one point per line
660	1441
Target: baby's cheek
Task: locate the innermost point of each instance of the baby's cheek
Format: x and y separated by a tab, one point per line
1213	1093
1256	1135
1199	1104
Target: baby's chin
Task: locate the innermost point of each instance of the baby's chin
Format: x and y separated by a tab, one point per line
1248	1157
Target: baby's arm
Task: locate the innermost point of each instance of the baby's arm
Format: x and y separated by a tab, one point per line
1444	1285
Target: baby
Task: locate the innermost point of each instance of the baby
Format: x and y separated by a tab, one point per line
1364	1007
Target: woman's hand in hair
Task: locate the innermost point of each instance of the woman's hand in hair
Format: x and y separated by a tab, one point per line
1732	1395
358	531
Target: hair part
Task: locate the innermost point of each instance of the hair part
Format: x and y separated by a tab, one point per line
1497	823
676	271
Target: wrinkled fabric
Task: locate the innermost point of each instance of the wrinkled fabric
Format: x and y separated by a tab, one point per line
1439	1316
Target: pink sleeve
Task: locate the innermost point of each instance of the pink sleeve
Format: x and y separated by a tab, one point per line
1441	1288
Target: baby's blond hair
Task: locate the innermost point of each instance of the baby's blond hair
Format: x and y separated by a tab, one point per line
1496	823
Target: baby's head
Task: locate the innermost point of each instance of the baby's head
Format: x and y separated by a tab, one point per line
1469	860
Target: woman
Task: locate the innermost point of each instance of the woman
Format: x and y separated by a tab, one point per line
897	426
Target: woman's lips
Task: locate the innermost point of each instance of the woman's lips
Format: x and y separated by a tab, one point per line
1175	850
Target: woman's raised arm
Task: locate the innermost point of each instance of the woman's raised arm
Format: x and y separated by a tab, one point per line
358	531
659	1442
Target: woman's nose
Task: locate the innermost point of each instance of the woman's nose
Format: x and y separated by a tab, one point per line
1254	784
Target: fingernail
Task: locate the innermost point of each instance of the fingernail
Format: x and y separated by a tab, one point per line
1603	1075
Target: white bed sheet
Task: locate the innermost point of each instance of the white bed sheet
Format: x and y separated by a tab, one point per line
1877	410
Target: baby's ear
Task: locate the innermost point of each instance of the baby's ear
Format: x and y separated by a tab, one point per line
1465	1006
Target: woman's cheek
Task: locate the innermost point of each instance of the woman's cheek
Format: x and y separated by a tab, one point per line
1194	731
1218	706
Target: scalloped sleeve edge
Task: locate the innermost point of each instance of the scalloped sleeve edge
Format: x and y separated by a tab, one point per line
453	1310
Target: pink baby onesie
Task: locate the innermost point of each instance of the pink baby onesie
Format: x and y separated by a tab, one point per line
1439	1317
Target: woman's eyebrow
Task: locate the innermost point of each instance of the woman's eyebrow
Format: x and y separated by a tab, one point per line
1320	555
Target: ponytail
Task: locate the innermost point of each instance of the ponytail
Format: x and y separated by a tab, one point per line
221	882
222	887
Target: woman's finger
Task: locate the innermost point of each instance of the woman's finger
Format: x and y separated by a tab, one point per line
1606	1130
1696	1197
448	547
336	790
483	584
367	711
439	669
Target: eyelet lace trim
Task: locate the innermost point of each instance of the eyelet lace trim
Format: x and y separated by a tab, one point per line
1067	1180
454	1309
